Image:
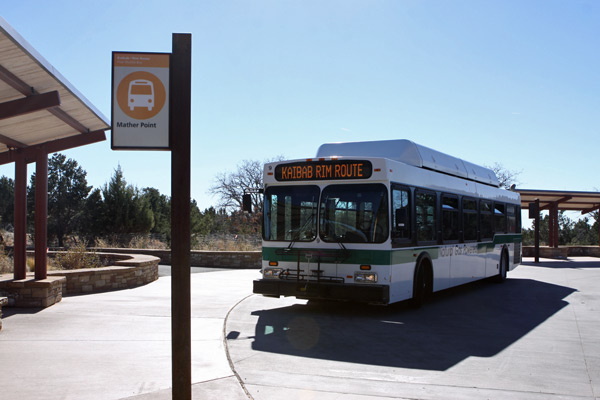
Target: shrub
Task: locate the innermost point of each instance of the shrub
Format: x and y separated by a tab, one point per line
77	257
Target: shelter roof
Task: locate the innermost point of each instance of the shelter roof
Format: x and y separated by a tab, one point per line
37	104
566	200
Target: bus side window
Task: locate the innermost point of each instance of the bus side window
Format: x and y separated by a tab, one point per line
450	222
511	218
401	229
485	218
425	204
499	217
469	208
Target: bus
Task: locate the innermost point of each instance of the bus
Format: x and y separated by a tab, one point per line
383	221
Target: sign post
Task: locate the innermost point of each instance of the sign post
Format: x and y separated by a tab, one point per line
151	110
181	77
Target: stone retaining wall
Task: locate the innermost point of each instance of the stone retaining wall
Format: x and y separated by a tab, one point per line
563	252
203	258
126	271
3	302
32	293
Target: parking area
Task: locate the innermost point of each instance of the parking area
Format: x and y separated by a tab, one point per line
537	336
534	337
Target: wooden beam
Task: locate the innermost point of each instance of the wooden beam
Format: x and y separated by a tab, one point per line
557	202
53	146
41	215
16	83
67	119
11	142
595	207
29	104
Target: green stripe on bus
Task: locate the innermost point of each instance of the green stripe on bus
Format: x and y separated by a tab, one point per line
376	257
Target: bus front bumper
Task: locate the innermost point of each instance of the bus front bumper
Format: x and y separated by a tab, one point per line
313	290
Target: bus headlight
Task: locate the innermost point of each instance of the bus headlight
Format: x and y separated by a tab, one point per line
365	277
272	272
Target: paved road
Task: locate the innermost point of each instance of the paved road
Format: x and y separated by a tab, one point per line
535	337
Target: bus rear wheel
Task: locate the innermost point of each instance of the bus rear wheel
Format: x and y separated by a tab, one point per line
502	267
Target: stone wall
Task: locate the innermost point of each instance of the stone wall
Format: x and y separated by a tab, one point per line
3	302
125	271
563	251
203	258
32	293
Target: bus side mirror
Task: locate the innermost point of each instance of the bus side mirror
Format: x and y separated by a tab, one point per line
247	203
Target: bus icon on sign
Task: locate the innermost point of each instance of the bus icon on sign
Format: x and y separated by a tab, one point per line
140	94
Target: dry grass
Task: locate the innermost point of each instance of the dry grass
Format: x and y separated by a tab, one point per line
6	263
226	243
77	257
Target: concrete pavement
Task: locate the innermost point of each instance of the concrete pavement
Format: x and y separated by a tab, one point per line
118	344
535	337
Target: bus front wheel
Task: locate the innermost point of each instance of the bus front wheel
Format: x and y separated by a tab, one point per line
422	285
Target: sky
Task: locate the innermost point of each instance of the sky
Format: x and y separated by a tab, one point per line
515	82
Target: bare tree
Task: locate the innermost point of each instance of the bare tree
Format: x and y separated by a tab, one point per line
230	186
506	177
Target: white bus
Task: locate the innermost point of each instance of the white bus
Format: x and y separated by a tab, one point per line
383	221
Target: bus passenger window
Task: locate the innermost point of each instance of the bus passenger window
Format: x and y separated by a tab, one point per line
511	218
485	213
425	213
469	208
499	217
450	223
401	214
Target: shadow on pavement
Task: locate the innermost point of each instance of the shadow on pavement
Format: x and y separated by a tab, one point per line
564	263
479	319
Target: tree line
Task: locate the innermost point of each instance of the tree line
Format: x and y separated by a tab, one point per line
115	212
582	232
118	210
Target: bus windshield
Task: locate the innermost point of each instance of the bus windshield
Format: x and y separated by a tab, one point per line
354	213
291	213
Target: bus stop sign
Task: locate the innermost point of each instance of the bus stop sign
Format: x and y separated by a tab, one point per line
140	101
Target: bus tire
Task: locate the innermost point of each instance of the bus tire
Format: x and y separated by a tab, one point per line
502	267
422	284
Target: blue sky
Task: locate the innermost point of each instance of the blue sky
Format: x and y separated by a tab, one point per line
513	82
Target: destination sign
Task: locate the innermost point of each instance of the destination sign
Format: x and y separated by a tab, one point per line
324	170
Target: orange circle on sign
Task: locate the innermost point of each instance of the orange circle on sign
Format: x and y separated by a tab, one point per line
141	95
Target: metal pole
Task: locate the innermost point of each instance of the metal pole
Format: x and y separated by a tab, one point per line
180	137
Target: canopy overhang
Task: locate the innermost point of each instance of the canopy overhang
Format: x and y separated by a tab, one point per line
40	113
553	201
37	104
585	202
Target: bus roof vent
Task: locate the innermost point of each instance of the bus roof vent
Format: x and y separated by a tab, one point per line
411	153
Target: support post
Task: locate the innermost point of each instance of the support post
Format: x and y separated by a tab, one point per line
20	249
537	231
41	215
180	137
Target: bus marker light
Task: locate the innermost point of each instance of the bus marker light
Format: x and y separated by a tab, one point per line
365	267
273	263
349	276
377	170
